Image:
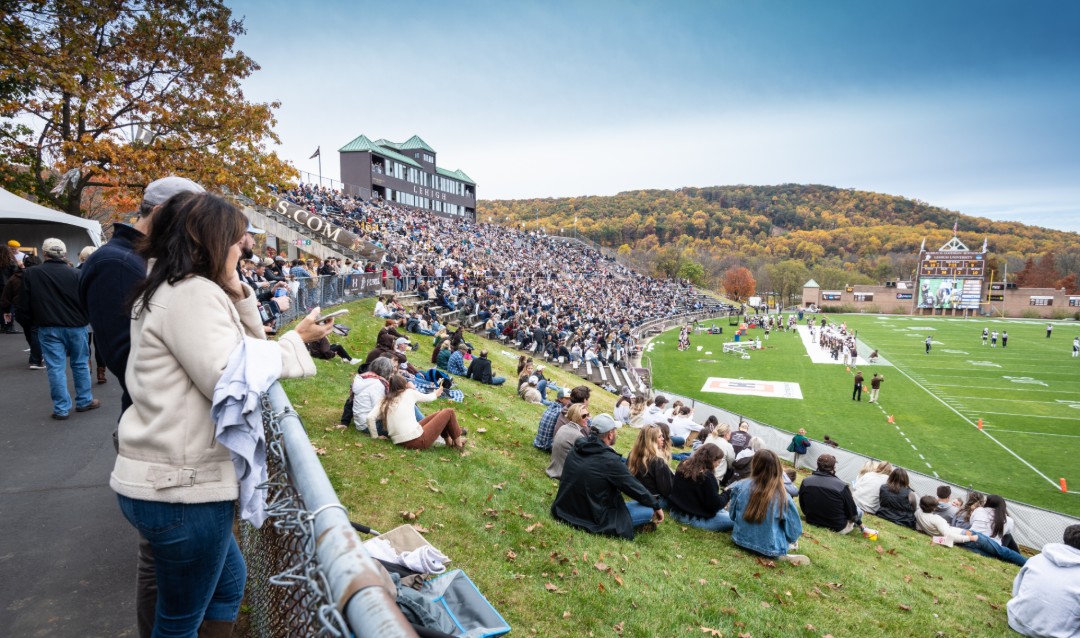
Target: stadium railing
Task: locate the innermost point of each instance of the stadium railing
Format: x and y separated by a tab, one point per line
1033	526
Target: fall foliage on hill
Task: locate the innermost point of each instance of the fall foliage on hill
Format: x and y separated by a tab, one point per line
837	236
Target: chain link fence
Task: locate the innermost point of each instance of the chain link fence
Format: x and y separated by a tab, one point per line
308	573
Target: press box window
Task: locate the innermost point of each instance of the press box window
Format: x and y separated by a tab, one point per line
1042	301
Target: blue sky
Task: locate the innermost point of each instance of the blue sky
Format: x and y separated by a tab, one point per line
974	106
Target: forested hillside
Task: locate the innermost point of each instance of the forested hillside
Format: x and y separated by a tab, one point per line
839	236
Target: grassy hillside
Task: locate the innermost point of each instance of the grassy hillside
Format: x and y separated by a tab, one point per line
488	511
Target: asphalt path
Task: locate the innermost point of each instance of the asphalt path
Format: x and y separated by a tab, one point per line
67	555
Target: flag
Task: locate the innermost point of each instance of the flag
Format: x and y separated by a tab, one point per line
984	245
954	224
316	153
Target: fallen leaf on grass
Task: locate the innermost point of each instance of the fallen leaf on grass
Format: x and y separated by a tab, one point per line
384	481
481	430
710	631
730	611
566	614
619	580
880	550
321	451
810	627
411	516
905	607
433	485
980	597
765	605
421	529
746	635
553	588
907	579
764	562
702	581
601	567
618	627
489	525
511	555
499	486
534	526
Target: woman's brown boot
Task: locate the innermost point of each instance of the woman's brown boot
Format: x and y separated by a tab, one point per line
101	375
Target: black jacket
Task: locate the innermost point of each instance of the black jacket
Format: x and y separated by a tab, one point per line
108	279
590	493
826	501
658	477
480	370
700	499
50	296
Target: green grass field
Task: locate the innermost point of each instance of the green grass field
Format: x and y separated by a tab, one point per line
488	511
1027	395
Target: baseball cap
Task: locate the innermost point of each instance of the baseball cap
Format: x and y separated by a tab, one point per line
160	190
533	380
400	341
564	393
627	393
253	230
604	423
53	247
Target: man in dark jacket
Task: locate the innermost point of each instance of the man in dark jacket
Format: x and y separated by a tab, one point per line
480	370
49	299
826	500
594	478
111	274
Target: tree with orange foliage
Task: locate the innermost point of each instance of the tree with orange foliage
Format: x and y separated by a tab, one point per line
739	283
114	95
1039	274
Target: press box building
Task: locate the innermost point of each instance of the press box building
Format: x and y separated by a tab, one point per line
407	174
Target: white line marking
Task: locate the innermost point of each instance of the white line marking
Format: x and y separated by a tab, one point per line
922	457
914	448
983	387
1013	400
1036	416
985	433
1070	436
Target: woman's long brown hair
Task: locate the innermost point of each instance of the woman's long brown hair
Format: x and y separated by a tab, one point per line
766	486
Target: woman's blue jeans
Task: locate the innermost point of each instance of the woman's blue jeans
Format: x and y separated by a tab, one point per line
989	547
200	571
719	523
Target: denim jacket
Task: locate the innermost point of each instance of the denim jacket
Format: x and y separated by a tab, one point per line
771	536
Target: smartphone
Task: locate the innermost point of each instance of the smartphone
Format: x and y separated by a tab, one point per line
327	317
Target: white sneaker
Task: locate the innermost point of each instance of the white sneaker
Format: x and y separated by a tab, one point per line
356	362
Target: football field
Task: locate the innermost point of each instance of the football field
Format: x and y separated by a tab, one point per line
1026	393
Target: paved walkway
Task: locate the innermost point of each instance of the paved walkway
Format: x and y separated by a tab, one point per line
67	556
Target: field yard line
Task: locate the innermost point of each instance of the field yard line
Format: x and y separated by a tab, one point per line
1035	416
1068	436
982	387
1014	400
987	434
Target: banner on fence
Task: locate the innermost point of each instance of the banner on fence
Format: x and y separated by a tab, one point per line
367	282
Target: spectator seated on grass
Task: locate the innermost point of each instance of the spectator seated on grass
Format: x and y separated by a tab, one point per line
766	519
1046	592
384	308
897	501
947	506
826	500
650	464
389	334
719	437
962	518
577	427
579	394
455	365
654	414
545	431
695	497
480	370
993	520
622	406
529	392
396	411
867	488
594	479
683	425
929	522
740	469
367	391
740	438
442	356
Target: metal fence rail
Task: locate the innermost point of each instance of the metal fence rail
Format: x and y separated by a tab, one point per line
308	573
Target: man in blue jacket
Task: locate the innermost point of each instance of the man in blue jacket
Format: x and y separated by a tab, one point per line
594	479
111	274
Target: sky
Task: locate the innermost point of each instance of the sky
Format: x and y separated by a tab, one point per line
969	105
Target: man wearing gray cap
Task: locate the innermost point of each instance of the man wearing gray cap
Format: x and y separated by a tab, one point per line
50	300
594	478
114	270
108	278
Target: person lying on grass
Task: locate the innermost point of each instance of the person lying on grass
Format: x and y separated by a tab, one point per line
397	413
766	519
929	522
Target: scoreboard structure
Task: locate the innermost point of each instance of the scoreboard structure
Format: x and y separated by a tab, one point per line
951	278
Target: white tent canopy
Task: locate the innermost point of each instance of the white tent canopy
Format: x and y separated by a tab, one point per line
31	224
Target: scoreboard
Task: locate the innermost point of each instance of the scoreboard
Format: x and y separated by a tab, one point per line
951	279
951	264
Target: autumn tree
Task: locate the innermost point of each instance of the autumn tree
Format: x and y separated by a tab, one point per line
739	283
117	94
787	278
1041	273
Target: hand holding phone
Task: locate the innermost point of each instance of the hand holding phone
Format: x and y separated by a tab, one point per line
323	319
